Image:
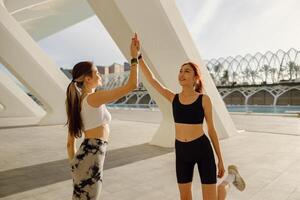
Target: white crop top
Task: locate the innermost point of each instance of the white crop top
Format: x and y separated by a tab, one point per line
93	117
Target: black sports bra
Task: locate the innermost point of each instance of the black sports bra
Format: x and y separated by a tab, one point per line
188	114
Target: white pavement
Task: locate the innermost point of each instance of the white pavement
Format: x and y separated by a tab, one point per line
268	156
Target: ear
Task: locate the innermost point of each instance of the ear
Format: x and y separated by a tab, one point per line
87	79
196	79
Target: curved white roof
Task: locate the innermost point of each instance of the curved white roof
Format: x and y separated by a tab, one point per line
42	18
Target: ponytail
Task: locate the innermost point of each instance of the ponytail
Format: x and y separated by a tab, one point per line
198	86
73	101
73	108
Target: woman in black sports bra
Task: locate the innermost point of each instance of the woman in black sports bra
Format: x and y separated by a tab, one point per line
192	146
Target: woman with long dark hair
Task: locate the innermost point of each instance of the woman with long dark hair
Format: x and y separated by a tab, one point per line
88	115
192	146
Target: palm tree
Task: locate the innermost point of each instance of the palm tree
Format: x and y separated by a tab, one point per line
273	72
246	74
291	67
253	74
297	70
217	68
225	77
266	70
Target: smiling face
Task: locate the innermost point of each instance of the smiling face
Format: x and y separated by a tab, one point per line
186	76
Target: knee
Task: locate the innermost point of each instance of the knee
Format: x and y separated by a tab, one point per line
185	197
221	187
221	191
185	191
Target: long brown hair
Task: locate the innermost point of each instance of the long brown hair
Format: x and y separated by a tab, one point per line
199	82
73	100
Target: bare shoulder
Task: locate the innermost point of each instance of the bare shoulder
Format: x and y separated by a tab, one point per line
206	100
205	97
93	99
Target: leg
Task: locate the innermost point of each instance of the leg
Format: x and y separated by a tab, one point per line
88	170
185	191
222	190
184	171
233	177
209	191
208	171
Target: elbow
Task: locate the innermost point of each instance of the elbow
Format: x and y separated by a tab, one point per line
70	145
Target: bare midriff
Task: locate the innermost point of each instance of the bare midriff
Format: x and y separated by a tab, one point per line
188	132
100	132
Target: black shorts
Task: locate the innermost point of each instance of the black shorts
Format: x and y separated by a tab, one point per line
196	151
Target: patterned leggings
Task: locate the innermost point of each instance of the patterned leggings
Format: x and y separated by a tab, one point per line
87	169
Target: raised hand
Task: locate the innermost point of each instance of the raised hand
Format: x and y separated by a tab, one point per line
138	45
134	46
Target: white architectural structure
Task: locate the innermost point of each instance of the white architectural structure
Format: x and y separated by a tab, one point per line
165	39
166	44
24	58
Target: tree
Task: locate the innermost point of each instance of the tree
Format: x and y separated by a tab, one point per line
225	77
297	70
266	70
254	75
217	68
246	74
291	67
273	72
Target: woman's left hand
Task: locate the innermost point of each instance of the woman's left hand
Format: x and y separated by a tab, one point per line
134	48
221	169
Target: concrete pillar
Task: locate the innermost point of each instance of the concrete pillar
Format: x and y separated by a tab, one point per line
31	66
166	44
17	108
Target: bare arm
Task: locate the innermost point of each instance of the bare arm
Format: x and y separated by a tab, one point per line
71	147
207	106
106	96
154	82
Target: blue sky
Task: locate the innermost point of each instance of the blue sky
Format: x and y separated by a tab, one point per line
219	29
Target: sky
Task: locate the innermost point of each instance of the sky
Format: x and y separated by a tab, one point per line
219	28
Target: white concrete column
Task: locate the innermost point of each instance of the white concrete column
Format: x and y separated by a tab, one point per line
166	44
31	66
18	109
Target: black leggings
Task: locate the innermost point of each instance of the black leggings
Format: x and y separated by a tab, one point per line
196	151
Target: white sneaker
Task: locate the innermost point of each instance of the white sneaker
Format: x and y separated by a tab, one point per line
238	182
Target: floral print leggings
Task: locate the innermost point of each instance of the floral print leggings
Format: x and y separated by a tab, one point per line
87	169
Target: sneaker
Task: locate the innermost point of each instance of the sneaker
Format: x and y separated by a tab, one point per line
238	182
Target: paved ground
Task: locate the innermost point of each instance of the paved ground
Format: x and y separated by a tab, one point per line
33	161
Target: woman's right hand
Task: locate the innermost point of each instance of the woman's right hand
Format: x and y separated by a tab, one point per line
134	47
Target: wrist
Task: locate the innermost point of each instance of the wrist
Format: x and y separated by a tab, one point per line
140	56
133	61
